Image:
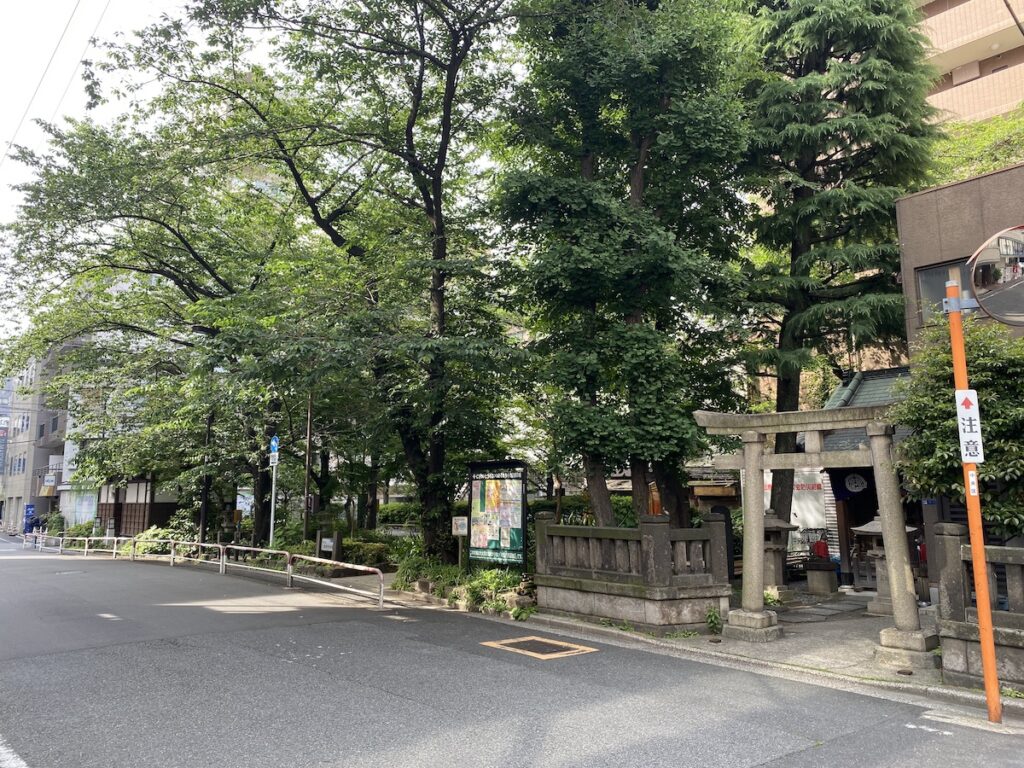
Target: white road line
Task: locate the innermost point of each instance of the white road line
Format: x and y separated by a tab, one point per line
8	757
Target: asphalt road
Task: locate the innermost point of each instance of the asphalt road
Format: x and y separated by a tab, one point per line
112	664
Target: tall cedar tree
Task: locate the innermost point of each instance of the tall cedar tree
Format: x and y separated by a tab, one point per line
840	129
628	132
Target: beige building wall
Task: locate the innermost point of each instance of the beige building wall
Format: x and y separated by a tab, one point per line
34	449
978	50
942	227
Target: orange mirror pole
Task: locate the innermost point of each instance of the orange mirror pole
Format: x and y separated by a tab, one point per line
977	536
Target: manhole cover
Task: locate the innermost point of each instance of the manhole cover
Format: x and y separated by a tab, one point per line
540	647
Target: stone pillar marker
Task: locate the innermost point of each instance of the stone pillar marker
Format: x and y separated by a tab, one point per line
776	547
752	621
904	645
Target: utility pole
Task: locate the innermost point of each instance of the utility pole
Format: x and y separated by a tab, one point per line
970	462
307	501
204	504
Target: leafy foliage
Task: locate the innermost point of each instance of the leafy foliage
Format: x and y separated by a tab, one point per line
929	460
841	127
625	136
971	149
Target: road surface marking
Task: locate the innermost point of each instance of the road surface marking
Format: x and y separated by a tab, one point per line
8	757
927	729
543	648
109	616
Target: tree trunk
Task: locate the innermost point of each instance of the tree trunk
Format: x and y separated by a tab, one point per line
675	500
597	489
260	507
640	476
787	398
371	492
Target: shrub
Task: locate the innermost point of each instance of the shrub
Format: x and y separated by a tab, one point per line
411	569
713	618
150	535
576	510
399	513
302	548
79	529
363	552
622	508
53	523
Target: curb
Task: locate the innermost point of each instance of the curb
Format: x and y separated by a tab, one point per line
960	696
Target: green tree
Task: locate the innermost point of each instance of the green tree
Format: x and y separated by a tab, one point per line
393	96
627	132
841	128
139	255
929	459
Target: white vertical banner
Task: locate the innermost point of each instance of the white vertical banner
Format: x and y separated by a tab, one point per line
968	420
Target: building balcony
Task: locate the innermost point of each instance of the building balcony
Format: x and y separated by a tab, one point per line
985	97
972	31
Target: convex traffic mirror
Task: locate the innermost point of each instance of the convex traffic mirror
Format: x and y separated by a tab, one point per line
997	276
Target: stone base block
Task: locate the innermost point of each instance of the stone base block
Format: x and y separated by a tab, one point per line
753	619
961	655
781	593
880	606
822	582
751	634
902	658
910	641
688	611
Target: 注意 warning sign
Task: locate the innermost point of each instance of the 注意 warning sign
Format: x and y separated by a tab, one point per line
968	420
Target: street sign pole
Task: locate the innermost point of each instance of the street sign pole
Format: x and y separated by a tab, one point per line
273	485
273	499
973	498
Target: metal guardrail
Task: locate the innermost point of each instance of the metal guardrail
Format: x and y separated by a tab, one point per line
292	559
187	551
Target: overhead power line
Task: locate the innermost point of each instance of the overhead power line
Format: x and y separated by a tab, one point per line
81	57
42	77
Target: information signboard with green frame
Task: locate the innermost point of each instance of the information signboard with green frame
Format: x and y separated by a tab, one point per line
497	512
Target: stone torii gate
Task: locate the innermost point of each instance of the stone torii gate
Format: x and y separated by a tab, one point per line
903	645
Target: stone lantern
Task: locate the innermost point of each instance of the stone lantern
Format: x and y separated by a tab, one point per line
870	534
776	546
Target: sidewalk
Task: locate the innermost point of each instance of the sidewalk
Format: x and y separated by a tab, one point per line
835	653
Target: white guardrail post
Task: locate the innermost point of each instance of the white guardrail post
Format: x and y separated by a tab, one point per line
87	538
223	559
172	552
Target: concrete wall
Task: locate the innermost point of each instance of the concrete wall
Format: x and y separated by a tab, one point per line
948	224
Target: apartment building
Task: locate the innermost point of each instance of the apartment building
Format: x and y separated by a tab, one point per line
978	48
34	455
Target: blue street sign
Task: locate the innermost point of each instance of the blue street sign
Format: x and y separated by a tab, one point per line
274	443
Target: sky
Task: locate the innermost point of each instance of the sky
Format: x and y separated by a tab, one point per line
28	36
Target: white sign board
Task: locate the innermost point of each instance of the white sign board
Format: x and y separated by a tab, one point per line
460	526
273	459
968	419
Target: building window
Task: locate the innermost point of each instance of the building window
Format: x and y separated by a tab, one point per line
42	431
931	287
54	423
